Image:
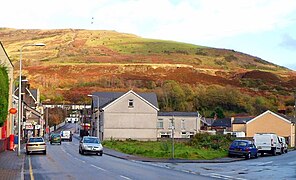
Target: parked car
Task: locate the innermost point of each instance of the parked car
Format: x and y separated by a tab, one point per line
35	144
243	148
284	147
55	138
267	143
90	144
66	135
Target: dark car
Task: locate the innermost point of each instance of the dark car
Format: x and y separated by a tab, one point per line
55	138
243	148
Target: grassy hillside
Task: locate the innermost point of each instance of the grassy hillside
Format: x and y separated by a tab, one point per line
77	62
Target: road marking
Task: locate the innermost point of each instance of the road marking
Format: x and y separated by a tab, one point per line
220	176
265	163
98	167
125	177
30	169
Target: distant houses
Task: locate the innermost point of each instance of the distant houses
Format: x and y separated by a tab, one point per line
131	115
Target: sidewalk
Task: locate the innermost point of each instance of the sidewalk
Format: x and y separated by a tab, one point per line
11	165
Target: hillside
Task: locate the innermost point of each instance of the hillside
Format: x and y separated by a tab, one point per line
75	63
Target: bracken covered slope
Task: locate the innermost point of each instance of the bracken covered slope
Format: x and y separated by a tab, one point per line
76	62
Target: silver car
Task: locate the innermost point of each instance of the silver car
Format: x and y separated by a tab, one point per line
90	144
36	144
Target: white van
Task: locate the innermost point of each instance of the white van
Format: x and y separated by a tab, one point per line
267	143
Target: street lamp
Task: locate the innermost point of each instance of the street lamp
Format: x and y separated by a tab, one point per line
98	125
20	96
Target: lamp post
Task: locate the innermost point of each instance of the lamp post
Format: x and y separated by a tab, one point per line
20	96
98	125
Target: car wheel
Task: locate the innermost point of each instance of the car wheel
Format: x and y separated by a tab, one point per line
101	154
274	152
230	155
262	154
28	153
79	151
82	152
256	155
248	156
286	151
44	152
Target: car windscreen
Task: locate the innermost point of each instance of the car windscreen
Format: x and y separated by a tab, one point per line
55	135
35	140
91	140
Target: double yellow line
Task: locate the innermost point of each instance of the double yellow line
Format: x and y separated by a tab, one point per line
30	168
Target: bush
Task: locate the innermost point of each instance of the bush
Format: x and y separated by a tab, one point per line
4	89
207	141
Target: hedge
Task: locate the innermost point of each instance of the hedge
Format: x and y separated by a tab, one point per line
4	93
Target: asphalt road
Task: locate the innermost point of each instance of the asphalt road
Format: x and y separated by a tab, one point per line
64	162
280	167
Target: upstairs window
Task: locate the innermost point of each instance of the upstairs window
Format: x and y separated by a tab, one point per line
160	124
130	103
183	124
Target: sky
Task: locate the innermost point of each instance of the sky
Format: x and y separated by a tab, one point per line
262	28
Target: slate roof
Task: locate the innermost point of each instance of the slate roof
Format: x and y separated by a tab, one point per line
185	114
241	120
226	122
106	98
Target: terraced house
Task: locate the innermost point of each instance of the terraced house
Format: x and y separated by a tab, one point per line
6	65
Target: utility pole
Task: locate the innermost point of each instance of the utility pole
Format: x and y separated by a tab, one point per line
173	143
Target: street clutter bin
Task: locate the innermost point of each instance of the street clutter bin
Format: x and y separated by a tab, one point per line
16	139
11	142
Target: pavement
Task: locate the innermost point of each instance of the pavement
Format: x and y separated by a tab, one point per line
11	165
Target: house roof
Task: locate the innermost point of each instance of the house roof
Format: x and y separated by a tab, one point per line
186	114
225	122
5	54
270	112
105	98
241	120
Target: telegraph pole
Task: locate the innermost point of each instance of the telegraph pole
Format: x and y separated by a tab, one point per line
173	143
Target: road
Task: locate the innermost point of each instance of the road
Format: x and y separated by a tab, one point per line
267	167
64	162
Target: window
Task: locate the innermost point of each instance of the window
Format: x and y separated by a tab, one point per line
130	103
182	124
160	124
183	135
171	123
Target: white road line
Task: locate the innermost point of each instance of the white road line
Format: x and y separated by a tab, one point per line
265	163
125	177
98	167
221	176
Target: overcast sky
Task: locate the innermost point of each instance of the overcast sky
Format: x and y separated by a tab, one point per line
263	28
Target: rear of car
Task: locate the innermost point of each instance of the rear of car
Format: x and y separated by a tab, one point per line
90	144
284	145
243	148
55	138
66	135
35	144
